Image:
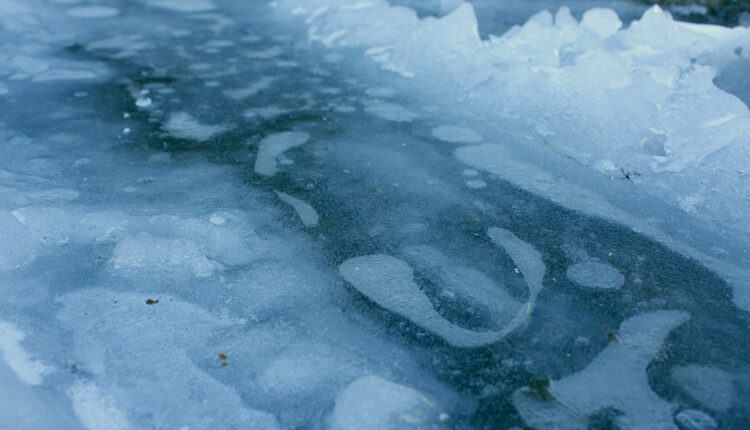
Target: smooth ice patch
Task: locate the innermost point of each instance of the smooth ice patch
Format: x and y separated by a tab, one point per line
274	145
93	12
476	184
307	213
29	371
261	84
96	409
145	254
595	274
456	134
615	378
389	111
183	5
712	387
373	403
182	125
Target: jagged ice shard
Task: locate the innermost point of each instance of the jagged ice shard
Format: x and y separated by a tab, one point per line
404	214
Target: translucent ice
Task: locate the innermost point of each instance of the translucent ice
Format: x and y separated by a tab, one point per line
274	145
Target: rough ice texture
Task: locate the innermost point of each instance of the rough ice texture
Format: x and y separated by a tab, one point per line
637	104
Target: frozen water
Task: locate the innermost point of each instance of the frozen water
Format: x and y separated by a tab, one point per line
594	274
371	402
306	213
271	147
369	214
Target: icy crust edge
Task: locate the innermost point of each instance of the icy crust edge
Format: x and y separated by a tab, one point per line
677	140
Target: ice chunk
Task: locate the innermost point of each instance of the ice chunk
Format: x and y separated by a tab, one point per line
93	12
595	274
389	111
183	5
456	134
145	254
182	125
616	378
307	213
28	370
711	386
274	145
603	22
373	403
96	409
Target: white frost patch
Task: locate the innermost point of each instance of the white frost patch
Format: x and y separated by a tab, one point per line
182	125
456	134
372	403
242	93
93	12
389	111
307	213
594	274
615	378
144	253
274	145
183	5
96	409
29	371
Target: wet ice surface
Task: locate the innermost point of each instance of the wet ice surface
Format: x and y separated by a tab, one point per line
234	218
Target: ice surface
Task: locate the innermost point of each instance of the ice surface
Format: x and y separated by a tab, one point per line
371	402
273	146
93	12
307	213
515	212
185	126
595	274
617	377
28	370
456	134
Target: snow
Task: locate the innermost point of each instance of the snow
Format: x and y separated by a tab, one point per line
96	409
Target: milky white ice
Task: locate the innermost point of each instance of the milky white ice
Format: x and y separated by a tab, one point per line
185	126
307	213
372	403
274	145
389	282
595	274
616	378
28	370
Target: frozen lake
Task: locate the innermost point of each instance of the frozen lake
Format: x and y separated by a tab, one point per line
344	214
